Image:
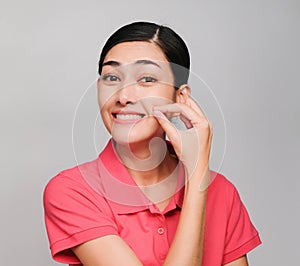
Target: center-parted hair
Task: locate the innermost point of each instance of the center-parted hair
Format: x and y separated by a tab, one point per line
169	42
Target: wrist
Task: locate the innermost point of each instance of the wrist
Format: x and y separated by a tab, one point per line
199	179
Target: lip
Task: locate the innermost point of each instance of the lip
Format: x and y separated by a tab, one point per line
130	117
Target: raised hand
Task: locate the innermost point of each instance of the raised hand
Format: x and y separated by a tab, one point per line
192	145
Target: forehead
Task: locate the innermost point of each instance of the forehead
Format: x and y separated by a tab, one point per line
130	52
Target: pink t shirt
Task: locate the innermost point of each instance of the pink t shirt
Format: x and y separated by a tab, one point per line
100	198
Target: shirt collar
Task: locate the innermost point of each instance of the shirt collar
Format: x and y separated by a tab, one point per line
122	191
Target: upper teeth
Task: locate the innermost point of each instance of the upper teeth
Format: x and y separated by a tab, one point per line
128	117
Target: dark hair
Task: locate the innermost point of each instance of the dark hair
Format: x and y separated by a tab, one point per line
169	41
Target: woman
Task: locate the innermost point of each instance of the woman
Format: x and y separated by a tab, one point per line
145	200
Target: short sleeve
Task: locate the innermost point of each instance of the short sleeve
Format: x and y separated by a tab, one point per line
241	235
74	215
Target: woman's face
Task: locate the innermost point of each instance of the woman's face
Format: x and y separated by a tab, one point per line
135	77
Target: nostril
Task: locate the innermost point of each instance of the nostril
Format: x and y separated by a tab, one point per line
127	96
124	102
123	99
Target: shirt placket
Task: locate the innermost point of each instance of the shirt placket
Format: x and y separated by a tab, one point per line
160	236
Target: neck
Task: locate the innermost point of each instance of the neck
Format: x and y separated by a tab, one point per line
148	162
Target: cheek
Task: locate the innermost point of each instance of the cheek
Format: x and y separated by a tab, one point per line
167	92
156	98
106	116
106	95
149	127
103	107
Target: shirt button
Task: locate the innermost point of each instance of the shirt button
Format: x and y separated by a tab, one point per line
160	230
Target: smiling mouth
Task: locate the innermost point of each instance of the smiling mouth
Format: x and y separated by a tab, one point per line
128	117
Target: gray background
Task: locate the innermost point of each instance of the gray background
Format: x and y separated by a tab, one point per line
248	53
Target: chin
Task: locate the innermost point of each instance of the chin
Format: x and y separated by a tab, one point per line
132	138
136	133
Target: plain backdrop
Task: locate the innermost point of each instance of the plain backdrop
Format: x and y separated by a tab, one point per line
246	51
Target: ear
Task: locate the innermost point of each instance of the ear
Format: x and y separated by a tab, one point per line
183	93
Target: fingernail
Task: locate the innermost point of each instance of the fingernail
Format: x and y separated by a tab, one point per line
158	114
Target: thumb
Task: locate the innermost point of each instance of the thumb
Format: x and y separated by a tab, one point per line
167	126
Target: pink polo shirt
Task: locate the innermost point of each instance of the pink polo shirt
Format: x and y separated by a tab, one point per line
100	198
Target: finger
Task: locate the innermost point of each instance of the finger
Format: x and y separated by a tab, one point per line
189	113
195	107
167	126
186	122
175	110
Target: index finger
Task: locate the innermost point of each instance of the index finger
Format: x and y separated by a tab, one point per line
196	107
181	109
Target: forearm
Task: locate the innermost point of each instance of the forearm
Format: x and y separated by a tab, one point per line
187	246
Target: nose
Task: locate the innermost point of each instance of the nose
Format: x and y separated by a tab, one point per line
127	95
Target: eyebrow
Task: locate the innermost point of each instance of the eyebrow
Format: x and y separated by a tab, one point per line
147	62
138	62
111	63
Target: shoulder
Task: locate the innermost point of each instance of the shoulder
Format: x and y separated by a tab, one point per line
228	225
74	211
70	183
221	184
222	193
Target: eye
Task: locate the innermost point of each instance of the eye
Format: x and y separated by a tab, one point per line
147	79
111	78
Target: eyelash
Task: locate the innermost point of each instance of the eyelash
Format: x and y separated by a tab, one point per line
114	78
145	78
108	77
